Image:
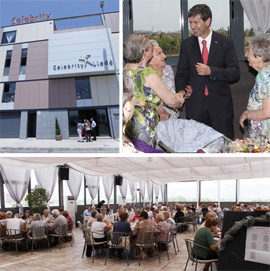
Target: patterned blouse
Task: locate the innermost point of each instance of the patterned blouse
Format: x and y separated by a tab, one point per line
143	125
168	80
260	91
143	226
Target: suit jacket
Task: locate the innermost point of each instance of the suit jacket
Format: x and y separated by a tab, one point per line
222	60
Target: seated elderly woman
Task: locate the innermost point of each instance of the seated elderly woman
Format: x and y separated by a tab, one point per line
144	225
204	237
46	217
158	62
258	109
149	92
92	219
27	216
3	226
68	219
136	216
161	227
168	218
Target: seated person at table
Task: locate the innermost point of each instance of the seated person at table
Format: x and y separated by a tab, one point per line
92	219
16	224
9	214
136	216
204	237
3	216
168	218
68	219
179	214
87	212
36	222
123	225
106	218
27	216
149	212
59	221
46	217
162	227
144	225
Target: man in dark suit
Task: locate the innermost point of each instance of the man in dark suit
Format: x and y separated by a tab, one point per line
208	62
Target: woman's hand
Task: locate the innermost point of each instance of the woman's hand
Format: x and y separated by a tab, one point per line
163	114
243	117
180	97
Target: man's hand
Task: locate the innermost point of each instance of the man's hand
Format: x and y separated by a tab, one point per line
203	69
163	114
188	90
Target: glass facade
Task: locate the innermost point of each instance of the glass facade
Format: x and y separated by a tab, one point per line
9	93
8	37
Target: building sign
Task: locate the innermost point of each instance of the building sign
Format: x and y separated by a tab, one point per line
30	19
80	52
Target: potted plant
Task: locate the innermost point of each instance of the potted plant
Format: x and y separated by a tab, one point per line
58	135
37	200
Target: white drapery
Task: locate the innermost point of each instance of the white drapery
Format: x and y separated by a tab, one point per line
133	190
47	179
142	190
16	181
108	182
156	187
74	184
149	190
92	183
162	191
123	190
258	13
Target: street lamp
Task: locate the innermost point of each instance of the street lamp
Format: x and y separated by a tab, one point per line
114	63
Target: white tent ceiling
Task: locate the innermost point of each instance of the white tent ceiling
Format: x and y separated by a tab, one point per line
159	170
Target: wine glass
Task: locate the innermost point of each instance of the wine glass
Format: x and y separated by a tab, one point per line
250	144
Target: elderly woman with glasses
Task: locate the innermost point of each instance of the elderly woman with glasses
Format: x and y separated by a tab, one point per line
149	92
258	108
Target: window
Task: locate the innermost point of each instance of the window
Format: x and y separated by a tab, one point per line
7	63
23	61
254	190
227	190
248	30
160	20
9	202
83	90
182	192
102	122
9	37
209	191
9	93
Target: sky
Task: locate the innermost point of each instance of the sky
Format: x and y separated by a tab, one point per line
161	15
58	8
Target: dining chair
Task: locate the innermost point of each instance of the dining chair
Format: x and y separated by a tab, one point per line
145	241
59	233
168	238
13	236
174	229
118	240
192	254
37	234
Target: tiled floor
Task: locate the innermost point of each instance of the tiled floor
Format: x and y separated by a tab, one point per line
70	258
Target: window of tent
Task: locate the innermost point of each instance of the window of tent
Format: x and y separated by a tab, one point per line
220	15
167	31
248	186
10	203
227	190
248	30
182	192
209	191
102	194
66	192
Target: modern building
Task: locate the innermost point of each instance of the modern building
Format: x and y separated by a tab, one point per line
62	69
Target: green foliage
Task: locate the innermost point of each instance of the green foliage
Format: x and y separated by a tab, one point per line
37	200
57	127
170	43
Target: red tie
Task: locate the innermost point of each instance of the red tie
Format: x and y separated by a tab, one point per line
205	58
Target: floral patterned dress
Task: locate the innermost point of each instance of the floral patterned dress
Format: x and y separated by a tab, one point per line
260	91
143	125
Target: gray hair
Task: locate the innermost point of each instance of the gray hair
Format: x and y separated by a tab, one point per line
93	213
261	46
154	43
134	47
100	217
55	212
37	216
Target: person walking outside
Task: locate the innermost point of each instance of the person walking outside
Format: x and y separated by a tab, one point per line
93	126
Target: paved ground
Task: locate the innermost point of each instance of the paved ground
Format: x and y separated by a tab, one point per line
32	145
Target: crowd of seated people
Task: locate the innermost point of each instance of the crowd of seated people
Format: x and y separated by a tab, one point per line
20	225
